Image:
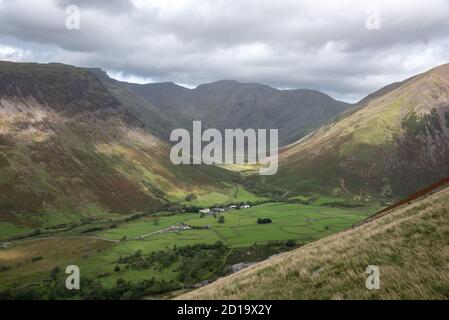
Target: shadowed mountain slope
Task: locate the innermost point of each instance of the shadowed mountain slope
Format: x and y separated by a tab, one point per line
68	147
229	104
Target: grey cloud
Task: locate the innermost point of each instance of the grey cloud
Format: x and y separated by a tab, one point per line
322	45
114	6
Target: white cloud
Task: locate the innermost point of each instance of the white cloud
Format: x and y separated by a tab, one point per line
12	54
314	44
121	76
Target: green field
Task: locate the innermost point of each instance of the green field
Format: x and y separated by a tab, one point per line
20	223
144	226
290	221
300	222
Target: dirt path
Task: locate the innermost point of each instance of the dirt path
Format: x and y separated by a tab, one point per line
151	233
165	230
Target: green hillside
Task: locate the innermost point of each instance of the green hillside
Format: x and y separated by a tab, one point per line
69	149
396	141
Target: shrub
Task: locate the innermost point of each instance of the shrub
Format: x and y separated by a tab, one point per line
191	197
5	268
34	259
54	272
290	243
264	220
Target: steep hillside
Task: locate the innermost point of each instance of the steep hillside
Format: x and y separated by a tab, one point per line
69	148
408	244
393	143
230	104
159	122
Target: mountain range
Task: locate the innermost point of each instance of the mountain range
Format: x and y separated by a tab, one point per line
226	104
75	140
86	179
230	104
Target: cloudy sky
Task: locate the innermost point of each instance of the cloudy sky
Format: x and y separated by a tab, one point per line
345	48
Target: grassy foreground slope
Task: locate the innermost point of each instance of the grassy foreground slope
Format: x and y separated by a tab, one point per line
410	245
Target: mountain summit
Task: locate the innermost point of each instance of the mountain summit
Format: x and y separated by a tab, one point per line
228	104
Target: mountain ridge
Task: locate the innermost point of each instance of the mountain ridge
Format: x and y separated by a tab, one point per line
225	104
394	143
231	104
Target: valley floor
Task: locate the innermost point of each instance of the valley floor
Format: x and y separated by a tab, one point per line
151	246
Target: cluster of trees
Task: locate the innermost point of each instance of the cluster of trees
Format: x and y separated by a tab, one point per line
340	204
157	259
274	193
125	290
191	209
90	289
264	220
191	197
92	229
135	216
193	263
200	262
5	268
